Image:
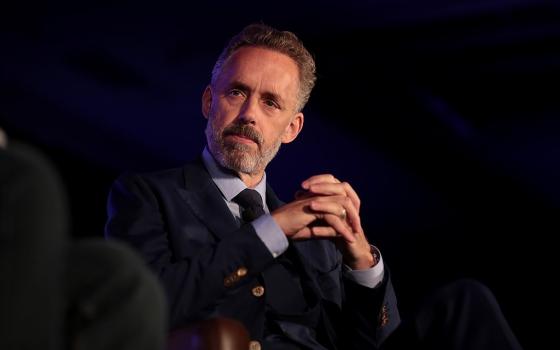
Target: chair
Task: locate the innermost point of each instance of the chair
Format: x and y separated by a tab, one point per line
211	334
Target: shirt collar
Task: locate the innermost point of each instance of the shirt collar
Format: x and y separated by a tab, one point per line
229	184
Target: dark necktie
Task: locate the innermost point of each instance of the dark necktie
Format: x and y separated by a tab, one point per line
284	297
251	203
278	273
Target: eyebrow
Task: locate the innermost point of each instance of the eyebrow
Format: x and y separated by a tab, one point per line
267	94
239	86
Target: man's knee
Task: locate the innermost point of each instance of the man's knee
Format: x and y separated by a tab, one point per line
468	292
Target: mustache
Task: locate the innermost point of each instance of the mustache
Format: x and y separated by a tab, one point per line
244	130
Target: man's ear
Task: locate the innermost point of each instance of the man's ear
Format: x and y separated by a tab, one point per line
293	129
206	101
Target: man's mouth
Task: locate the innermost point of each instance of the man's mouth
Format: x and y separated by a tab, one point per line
240	138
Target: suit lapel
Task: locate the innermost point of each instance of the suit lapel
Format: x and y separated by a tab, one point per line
272	201
206	201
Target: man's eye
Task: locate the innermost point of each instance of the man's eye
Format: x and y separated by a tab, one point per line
271	103
235	92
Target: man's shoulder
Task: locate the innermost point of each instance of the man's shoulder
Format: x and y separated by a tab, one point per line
161	175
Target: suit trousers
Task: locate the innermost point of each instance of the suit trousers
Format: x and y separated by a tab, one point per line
463	315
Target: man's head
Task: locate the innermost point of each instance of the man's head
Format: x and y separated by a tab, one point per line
253	103
261	35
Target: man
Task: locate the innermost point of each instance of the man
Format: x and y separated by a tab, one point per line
297	275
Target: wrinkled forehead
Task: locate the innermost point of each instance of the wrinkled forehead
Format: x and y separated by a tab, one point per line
261	68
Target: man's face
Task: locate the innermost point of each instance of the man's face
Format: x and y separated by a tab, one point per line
251	109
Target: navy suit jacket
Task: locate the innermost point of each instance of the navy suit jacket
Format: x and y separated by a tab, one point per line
179	222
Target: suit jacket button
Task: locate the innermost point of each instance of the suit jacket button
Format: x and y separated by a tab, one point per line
241	272
228	281
258	291
254	345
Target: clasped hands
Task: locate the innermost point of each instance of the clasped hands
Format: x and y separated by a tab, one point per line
326	208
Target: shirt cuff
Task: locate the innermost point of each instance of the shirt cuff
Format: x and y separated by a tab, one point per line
371	277
271	234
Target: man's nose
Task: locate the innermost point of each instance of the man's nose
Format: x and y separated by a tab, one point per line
250	111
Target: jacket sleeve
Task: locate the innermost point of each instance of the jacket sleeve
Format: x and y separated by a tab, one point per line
355	316
370	314
198	270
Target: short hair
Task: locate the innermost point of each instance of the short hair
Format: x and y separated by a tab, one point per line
262	35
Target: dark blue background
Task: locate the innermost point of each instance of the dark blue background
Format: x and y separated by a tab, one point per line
443	115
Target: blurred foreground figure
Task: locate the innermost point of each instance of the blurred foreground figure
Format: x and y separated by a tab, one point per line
57	293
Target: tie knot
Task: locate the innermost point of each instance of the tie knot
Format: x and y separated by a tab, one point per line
252	204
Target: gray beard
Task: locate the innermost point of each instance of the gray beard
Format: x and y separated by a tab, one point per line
239	157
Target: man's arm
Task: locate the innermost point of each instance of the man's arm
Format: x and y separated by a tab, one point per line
369	305
370	315
197	270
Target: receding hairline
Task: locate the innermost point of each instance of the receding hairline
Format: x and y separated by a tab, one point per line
229	59
281	41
